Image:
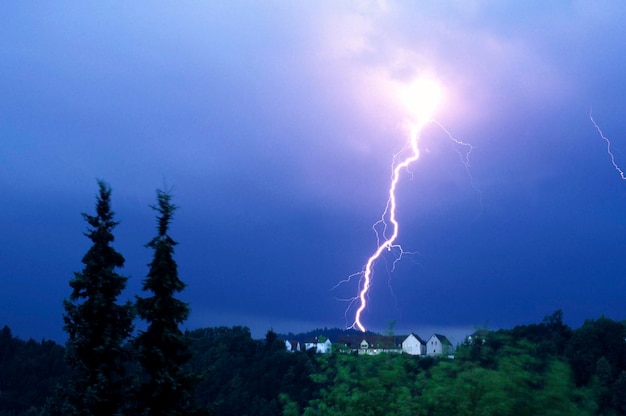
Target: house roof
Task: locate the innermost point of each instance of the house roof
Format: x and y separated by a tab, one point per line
480	333
442	339
416	336
295	344
316	340
374	341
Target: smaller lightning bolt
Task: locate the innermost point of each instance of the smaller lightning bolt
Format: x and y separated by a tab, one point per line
608	146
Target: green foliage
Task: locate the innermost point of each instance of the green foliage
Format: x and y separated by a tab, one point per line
29	372
97	326
521	371
330	333
618	394
365	385
272	343
596	339
597	355
499	373
517	383
536	369
248	377
550	337
162	349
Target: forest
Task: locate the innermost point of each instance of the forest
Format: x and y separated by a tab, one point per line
536	369
107	368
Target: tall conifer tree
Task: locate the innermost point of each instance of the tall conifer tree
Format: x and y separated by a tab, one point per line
163	349
96	324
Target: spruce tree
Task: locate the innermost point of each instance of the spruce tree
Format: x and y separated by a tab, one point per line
163	349
96	324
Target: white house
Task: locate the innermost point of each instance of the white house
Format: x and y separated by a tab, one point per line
321	347
374	345
292	345
410	344
439	344
414	345
371	344
478	336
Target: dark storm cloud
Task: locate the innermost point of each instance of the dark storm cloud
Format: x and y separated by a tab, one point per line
276	125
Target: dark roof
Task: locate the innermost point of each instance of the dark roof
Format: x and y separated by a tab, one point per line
416	336
374	341
443	339
480	333
316	340
295	344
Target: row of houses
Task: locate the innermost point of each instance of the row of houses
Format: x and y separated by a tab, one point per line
411	344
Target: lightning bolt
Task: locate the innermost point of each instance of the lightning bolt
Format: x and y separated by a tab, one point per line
608	146
387	227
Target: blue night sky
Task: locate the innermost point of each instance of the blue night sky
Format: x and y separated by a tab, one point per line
276	124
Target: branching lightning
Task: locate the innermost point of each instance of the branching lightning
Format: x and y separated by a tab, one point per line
423	100
608	147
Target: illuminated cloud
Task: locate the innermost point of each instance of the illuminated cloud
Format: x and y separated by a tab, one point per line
276	122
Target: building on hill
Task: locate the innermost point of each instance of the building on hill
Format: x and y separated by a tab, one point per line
414	345
292	345
321	345
410	344
372	344
478	336
438	344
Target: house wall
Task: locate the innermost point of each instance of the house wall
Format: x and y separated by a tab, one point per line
411	345
292	346
433	346
324	347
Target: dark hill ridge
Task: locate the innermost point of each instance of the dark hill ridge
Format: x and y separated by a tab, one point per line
559	367
334	334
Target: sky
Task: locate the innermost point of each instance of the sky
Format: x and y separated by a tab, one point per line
275	125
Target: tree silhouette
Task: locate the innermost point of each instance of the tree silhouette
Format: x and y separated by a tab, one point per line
162	348
97	326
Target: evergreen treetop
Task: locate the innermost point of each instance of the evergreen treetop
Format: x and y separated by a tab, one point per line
162	348
96	324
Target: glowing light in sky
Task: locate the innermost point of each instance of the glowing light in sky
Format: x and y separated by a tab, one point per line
421	98
608	147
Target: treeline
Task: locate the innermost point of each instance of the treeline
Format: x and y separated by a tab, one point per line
29	373
537	369
243	376
107	368
113	371
332	334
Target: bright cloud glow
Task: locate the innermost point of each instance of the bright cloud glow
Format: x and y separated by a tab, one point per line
422	98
